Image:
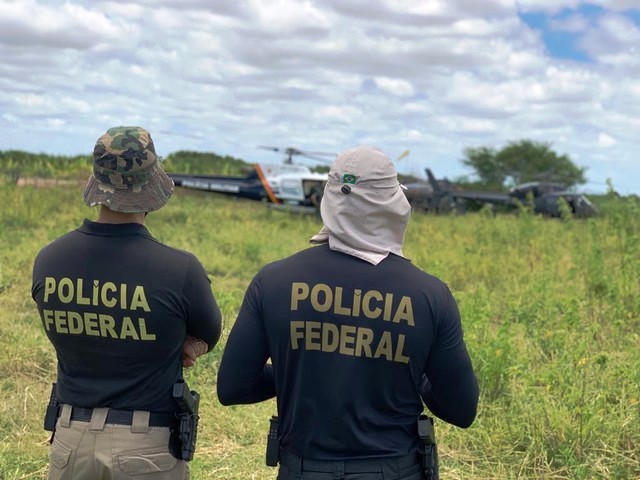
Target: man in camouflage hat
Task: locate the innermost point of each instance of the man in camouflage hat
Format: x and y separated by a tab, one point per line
127	176
125	314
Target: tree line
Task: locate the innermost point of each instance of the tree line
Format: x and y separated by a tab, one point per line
518	162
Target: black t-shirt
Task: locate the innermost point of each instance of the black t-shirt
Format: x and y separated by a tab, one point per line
117	304
349	343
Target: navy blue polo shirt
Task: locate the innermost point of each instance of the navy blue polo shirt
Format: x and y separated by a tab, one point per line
116	304
349	344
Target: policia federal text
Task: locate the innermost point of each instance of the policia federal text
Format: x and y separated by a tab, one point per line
350	339
107	295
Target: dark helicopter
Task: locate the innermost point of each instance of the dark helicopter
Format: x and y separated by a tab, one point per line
544	197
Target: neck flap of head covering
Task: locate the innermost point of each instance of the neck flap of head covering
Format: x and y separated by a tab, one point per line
364	210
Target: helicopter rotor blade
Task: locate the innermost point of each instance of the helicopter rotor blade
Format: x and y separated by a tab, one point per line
265	147
318	158
327	154
289	152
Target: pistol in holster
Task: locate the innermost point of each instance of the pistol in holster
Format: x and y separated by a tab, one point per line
273	443
428	448
51	413
188	404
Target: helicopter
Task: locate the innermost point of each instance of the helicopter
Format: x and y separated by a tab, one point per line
442	196
286	185
294	186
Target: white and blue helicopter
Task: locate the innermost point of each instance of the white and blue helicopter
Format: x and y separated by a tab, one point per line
285	184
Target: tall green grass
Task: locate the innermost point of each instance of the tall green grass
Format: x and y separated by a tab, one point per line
551	311
17	163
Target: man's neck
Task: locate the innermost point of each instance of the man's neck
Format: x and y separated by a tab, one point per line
107	215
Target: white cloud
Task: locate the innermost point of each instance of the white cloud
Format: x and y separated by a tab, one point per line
56	123
285	16
10	117
395	86
225	76
29	23
617	5
606	140
31	100
551	6
614	39
411	134
619	28
342	114
478	125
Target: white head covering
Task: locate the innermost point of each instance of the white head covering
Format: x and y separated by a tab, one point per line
364	210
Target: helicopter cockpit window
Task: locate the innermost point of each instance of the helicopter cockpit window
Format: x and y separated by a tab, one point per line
291	187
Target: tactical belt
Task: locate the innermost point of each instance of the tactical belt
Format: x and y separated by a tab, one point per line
369	465
123	417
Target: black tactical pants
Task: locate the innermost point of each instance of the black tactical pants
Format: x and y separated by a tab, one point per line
293	467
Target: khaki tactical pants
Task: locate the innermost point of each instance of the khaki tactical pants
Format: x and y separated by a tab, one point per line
98	451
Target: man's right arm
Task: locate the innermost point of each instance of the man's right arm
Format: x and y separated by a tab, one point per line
244	375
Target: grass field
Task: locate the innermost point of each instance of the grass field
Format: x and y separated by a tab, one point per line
551	311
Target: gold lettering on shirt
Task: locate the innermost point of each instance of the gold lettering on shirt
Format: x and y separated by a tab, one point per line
96	325
138	300
321	297
330	337
296	333
404	312
107	297
367	309
347	339
103	294
91	324
299	291
65	290
338	308
371	303
312	335
364	337
385	347
119	297
107	326
81	299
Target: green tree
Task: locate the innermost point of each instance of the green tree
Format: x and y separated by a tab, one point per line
204	163
522	161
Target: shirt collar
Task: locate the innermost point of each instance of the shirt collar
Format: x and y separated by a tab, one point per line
113	229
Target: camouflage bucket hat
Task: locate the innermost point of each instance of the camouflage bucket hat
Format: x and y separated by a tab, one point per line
127	175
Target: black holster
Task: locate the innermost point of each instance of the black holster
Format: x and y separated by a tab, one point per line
188	402
428	448
51	413
273	443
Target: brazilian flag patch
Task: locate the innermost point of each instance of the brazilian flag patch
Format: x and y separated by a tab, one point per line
349	178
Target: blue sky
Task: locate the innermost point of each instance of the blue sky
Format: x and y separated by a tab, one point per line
562	41
560	44
430	76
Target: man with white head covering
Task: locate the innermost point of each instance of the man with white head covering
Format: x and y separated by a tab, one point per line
358	337
125	313
371	222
